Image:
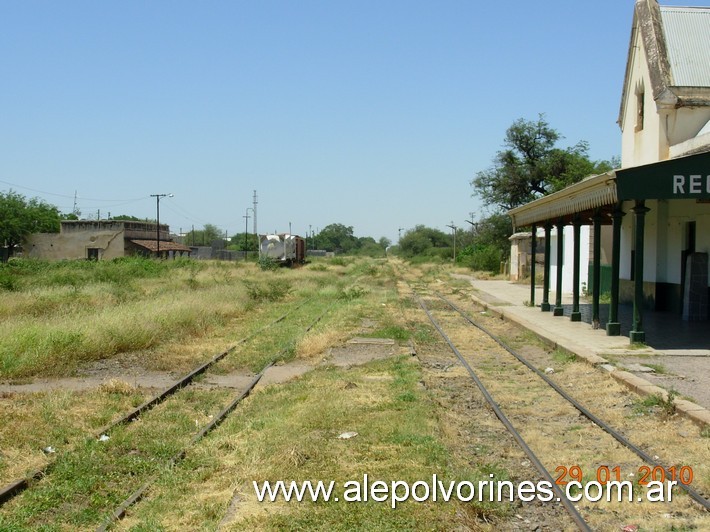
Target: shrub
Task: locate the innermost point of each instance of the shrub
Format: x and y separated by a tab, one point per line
351	292
268	264
267	290
339	261
8	282
481	258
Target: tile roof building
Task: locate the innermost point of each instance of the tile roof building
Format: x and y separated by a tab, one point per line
104	239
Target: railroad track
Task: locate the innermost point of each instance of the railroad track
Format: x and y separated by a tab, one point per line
170	409
564	440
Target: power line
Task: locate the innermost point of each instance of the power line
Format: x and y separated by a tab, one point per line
125	201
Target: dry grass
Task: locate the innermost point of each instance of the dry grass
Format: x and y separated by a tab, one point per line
294	436
290	431
117	386
60	419
52	330
314	345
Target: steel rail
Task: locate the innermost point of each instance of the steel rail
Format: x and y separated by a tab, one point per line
14	488
138	494
562	497
695	495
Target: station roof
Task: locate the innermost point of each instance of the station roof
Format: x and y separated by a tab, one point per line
582	198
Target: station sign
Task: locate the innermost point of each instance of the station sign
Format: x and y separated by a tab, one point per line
683	178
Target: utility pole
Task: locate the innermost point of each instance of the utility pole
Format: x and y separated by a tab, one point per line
157	209
246	233
453	228
255	202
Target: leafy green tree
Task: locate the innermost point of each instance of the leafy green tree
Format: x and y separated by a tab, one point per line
20	217
204	236
489	243
337	237
212	232
531	166
494	230
369	248
129	218
239	243
423	241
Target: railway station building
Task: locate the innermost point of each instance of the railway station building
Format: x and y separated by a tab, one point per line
104	239
649	220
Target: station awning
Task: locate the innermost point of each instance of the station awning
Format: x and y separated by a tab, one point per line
581	198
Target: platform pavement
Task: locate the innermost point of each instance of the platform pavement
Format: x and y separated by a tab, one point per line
512	301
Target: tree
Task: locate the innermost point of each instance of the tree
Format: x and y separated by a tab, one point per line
204	236
337	237
240	242
489	243
531	166
423	241
20	217
129	218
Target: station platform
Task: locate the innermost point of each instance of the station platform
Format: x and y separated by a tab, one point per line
676	355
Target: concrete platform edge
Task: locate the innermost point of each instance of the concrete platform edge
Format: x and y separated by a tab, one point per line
692	411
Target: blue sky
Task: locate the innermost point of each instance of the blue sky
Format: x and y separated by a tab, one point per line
372	114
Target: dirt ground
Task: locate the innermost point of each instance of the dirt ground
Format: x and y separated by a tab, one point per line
356	351
685	373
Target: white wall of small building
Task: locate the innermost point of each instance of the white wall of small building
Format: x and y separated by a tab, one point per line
568	258
74	245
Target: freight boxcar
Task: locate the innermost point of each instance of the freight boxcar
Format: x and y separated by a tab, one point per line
285	248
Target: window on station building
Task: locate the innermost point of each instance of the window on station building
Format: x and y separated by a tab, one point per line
639	109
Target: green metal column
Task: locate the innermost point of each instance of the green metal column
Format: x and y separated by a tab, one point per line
545	306
613	327
558	310
533	244
576	314
596	268
637	334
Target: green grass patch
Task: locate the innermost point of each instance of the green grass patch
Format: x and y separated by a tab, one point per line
290	432
395	332
656	403
88	481
562	356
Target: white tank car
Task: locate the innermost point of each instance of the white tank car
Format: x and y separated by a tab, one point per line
281	247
